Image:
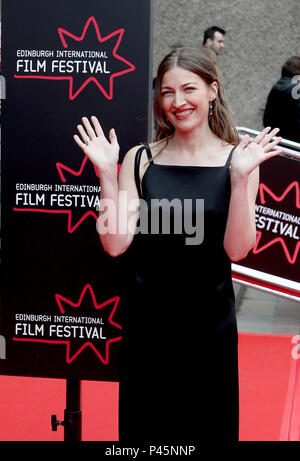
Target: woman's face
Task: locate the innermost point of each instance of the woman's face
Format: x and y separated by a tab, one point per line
185	98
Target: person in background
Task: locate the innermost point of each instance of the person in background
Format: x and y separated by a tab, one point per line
283	102
213	38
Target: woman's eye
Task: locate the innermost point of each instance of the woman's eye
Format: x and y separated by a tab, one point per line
189	88
165	93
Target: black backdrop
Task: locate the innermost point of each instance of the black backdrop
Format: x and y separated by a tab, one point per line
61	294
276	252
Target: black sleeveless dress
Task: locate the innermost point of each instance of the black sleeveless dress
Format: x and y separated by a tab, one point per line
179	364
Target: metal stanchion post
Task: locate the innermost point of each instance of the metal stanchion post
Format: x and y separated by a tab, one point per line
73	413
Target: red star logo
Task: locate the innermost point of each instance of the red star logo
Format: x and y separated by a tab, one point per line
284	227
61	167
109	308
72	224
116	37
122	64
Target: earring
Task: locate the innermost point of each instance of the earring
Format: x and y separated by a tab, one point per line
210	108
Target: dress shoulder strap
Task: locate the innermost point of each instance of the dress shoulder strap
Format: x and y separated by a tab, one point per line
229	157
137	162
148	150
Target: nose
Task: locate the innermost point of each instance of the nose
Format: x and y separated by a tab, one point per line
178	100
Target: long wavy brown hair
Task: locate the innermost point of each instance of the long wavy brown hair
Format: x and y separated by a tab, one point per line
198	62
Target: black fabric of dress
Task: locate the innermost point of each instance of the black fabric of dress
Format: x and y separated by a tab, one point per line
179	363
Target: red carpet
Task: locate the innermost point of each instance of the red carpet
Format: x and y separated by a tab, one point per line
26	406
269	399
267	387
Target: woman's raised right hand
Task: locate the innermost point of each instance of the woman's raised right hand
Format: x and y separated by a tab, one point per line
103	153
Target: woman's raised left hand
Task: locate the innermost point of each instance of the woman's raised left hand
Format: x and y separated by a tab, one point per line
249	154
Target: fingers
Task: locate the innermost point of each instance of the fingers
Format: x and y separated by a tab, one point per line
265	136
268	137
97	126
84	136
245	141
88	127
273	153
78	141
113	137
271	145
261	135
89	133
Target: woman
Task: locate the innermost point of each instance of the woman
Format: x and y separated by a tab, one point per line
179	375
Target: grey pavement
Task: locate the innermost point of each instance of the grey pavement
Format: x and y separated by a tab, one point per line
261	312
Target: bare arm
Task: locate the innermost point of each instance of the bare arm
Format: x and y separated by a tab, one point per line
240	234
119	201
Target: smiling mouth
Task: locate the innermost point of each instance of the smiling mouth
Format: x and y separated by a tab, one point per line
183	114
